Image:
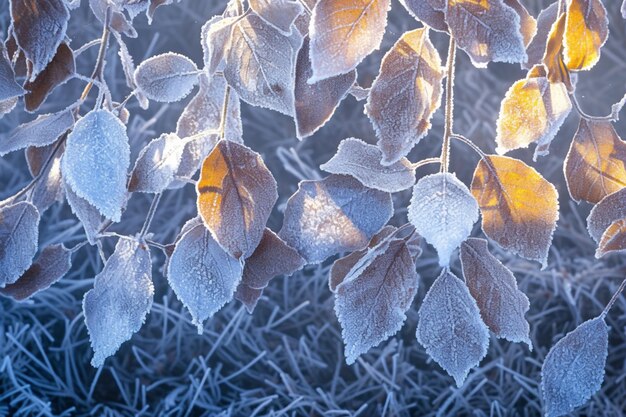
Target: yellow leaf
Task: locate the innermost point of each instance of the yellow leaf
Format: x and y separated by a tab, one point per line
553	56
595	164
518	206
613	240
586	30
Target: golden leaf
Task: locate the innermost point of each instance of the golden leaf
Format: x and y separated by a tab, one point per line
518	206
613	240
586	30
595	164
553	55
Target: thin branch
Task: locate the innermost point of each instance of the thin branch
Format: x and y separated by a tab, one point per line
306	7
613	299
445	148
150	216
425	162
469	143
224	112
613	117
104	43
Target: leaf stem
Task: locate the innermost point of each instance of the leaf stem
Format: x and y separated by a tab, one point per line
150	216
445	148
104	43
426	161
610	118
469	143
613	299
224	112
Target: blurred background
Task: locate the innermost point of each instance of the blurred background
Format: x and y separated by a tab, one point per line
287	358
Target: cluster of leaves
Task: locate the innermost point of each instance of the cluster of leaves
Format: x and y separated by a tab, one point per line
299	58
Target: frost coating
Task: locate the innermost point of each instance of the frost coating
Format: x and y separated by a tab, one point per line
332	215
96	160
203	276
49	188
9	88
167	77
279	13
19	233
156	164
574	368
450	327
537	46
42	131
443	211
88	215
363	162
215	39
120	300
610	209
429	12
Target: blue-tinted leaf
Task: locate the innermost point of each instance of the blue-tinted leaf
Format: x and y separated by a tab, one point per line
19	233
9	88
156	164
167	77
42	131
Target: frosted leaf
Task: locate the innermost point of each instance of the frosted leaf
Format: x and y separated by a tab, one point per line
260	65
532	111
343	33
502	305
120	300
9	88
7	106
519	207
154	4
607	211
372	300
167	77
59	70
574	368
39	28
236	194
316	103
586	30
537	46
203	276
216	41
51	265
88	215
405	94
450	327
19	233
248	296
333	215
128	66
487	31
613	240
96	161
156	164
429	12
443	211
49	188
594	167
363	162
552	60
40	132
528	24
118	21
279	13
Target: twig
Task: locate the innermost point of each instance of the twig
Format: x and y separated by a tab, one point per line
613	299
150	216
613	117
224	112
426	161
445	148
469	143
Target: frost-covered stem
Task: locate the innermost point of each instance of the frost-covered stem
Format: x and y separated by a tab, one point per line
610	118
86	46
150	216
104	43
426	161
469	143
445	148
224	112
613	299
306	7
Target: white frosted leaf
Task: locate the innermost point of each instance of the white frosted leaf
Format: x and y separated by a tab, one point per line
502	305
120	300
96	161
39	27
203	276
128	66
156	164
7	106
429	12
443	211
405	94
167	77
537	47
49	188
372	300
117	19
450	327
333	215
88	215
216	40
363	162
51	265
486	30
316	103
9	88
279	13
343	33
236	194
19	234
610	209
42	131
260	65
574	368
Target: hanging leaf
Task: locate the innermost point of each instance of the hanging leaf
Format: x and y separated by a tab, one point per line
156	165
486	30
19	233
574	369
203	276
49	188
248	296
128	66
532	111
236	194
260	65
401	115
537	47
607	211
429	12
519	207
528	24
87	214
343	33
586	30
595	164
553	56
443	211
120	300
333	215
96	161
316	103
9	88
450	327
51	265
613	240
39	28
216	41
42	131
502	305
372	300
281	14
118	21
167	77
363	162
